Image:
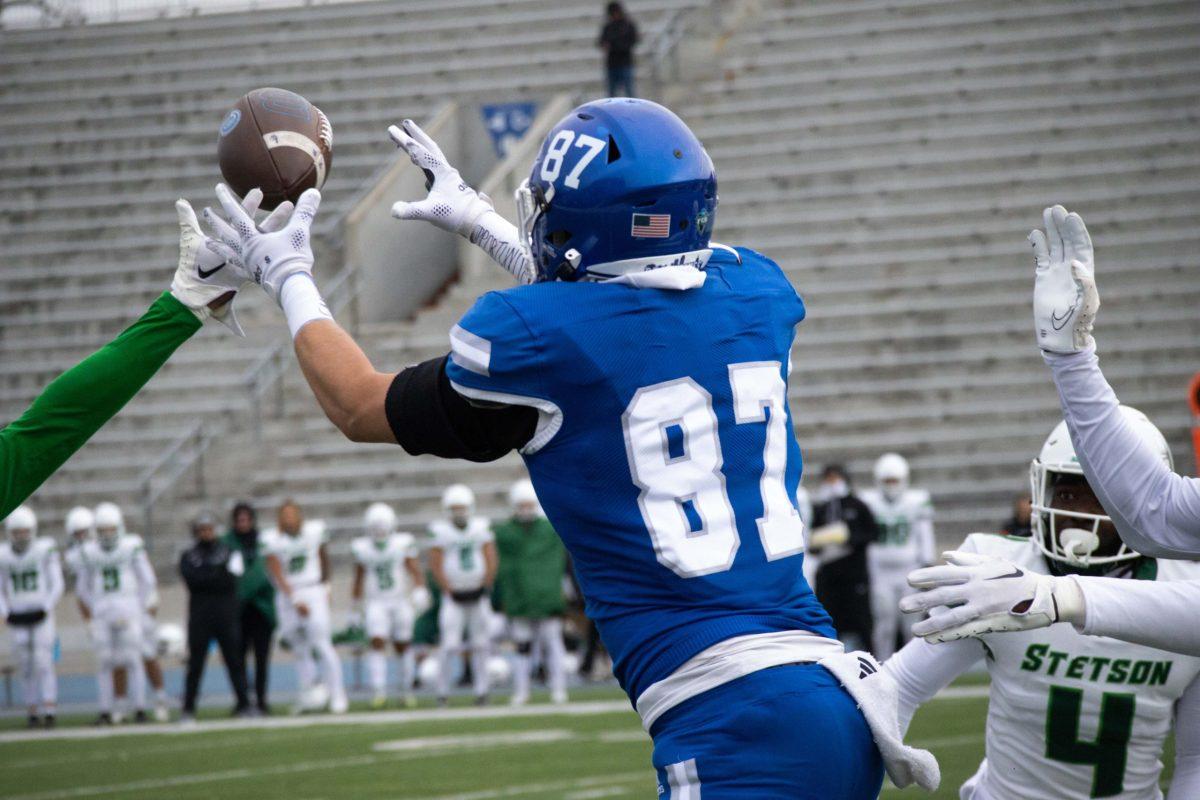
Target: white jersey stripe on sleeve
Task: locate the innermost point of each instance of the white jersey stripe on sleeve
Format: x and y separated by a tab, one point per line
471	352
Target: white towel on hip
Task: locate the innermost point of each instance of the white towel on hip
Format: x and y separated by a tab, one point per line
876	694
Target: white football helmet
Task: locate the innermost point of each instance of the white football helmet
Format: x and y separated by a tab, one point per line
458	501
1071	536
379	520
81	524
524	500
21	527
891	475
110	523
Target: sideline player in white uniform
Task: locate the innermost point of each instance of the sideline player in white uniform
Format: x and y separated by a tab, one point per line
299	567
1156	510
966	599
1071	715
117	585
462	558
31	583
389	587
905	518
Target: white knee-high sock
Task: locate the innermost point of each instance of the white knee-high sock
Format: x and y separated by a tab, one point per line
137	681
555	654
408	670
29	677
479	677
521	675
104	687
331	666
47	680
446	658
377	671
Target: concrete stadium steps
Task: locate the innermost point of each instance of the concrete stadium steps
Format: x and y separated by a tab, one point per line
891	156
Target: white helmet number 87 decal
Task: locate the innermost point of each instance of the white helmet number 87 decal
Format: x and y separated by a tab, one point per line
552	164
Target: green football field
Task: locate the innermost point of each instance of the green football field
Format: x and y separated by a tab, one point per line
593	748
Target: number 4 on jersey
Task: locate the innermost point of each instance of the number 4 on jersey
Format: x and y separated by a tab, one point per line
671	439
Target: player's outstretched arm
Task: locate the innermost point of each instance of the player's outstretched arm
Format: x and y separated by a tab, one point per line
348	388
79	402
454	206
1156	511
973	594
921	670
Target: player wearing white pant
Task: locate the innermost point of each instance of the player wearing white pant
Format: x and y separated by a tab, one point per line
529	586
298	564
31	582
462	558
905	518
117	586
389	587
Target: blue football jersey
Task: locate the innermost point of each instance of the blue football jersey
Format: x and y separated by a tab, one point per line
664	454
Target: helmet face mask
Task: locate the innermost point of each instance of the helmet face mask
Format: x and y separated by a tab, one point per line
458	502
524	501
891	476
21	527
379	521
1069	524
110	524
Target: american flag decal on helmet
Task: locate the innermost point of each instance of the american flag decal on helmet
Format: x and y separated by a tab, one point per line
651	226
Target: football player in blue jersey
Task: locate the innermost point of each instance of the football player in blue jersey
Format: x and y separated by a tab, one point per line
642	373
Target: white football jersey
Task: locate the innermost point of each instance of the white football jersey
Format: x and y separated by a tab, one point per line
71	558
383	562
463	551
300	554
1076	716
905	528
112	573
28	582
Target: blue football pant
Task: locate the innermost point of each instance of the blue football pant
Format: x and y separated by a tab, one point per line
784	733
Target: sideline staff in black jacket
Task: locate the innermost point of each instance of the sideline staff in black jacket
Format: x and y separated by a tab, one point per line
210	568
843	527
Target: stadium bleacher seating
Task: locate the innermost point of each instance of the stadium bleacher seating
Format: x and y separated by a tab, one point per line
890	155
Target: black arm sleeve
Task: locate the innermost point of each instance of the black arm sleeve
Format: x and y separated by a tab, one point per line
428	417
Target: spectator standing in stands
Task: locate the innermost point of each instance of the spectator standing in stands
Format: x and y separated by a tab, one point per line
843	529
529	586
1021	521
617	39
256	599
211	569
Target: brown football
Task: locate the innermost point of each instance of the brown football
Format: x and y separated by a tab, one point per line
277	141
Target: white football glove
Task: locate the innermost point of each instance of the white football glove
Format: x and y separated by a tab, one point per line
269	258
1065	300
204	280
452	205
421	600
975	594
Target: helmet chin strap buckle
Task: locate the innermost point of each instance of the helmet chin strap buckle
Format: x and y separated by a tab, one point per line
573	257
1079	544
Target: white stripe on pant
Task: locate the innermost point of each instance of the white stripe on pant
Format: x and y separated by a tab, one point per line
683	780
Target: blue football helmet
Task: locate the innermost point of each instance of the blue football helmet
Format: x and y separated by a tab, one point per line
619	185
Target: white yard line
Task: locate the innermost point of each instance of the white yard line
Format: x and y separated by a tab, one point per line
472	741
605	782
320	720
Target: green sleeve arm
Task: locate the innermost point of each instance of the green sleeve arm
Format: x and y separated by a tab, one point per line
77	403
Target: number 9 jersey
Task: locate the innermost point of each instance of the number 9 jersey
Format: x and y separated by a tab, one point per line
663	453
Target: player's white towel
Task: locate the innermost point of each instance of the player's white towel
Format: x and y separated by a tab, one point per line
876	694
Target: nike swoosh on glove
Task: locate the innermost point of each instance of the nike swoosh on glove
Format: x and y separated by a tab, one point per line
974	594
1065	300
204	278
269	257
877	695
